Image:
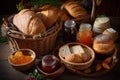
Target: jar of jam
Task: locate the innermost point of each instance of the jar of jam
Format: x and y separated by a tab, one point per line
85	34
49	63
69	31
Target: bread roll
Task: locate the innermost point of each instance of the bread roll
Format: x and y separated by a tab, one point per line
36	26
74	9
28	22
49	15
103	44
75	58
111	32
63	15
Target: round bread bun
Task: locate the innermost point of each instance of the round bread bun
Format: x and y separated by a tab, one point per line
111	32
103	38
103	48
103	44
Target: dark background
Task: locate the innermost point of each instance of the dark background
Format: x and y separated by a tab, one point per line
8	6
107	7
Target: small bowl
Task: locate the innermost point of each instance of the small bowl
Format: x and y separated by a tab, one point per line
78	66
54	74
24	66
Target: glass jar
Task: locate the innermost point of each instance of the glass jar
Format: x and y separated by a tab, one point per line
85	34
49	63
69	31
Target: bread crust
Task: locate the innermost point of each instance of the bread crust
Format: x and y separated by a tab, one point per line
103	38
74	9
103	44
28	22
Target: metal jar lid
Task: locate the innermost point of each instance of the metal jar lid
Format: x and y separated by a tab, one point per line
69	23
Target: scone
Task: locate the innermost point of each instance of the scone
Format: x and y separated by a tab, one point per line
111	32
103	44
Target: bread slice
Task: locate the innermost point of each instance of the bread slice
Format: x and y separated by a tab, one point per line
77	49
65	51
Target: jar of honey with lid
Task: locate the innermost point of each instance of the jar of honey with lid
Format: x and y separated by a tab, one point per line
85	34
69	31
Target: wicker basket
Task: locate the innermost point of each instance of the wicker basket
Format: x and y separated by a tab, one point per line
41	44
78	66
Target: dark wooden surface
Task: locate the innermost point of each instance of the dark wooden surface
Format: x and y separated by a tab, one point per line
7	72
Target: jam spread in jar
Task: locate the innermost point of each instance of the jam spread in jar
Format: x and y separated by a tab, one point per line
49	63
69	31
85	34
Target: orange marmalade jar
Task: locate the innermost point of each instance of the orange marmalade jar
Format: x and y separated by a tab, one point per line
85	34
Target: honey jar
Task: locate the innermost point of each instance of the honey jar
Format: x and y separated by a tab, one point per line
85	34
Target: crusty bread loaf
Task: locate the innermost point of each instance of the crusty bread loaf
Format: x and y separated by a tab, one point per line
21	20
63	15
103	44
36	26
74	9
50	15
28	22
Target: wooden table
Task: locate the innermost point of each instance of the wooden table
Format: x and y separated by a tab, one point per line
7	72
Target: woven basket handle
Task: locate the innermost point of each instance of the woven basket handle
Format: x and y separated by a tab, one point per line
93	10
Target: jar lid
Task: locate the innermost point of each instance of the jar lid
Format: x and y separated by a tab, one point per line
69	23
49	60
85	26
